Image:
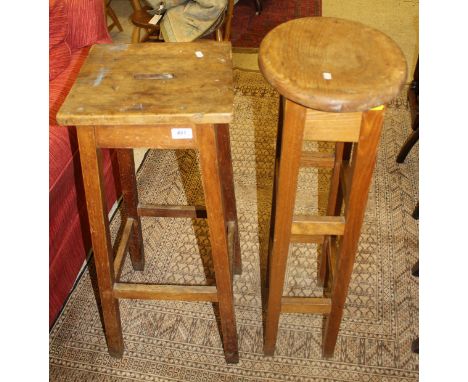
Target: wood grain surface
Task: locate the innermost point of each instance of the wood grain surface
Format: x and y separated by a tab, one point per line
332	64
141	84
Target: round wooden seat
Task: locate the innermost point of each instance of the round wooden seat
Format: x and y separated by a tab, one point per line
332	65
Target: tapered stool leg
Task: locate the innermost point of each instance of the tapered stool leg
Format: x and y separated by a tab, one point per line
279	134
130	198
225	165
214	200
363	162
290	157
103	256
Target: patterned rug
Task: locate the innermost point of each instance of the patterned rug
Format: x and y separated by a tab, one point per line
179	341
248	29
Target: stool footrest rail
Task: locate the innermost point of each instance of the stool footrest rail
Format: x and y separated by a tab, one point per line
317	225
318	305
165	292
154	210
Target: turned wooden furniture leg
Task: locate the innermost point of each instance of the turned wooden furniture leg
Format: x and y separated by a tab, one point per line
408	145
218	35
291	143
100	236
136	35
214	200
228	21
258	7
130	198
225	165
114	18
415	213
363	161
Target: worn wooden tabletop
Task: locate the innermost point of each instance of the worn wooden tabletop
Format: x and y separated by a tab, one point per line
142	84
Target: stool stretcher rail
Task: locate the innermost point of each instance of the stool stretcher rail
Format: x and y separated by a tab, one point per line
154	210
165	292
318	305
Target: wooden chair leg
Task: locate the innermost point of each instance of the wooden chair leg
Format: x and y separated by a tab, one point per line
291	144
219	35
258	7
408	145
228	22
136	35
114	18
363	162
225	164
415	213
415	269
91	164
130	198
214	200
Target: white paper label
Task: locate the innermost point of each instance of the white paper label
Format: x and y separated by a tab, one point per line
199	54
155	19
327	76
182	133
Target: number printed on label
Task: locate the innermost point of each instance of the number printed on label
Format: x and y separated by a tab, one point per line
182	133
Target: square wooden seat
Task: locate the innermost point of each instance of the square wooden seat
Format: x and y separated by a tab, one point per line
161	96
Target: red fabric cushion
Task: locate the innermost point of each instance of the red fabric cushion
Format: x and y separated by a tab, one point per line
58	22
59	51
87	23
59	59
69	237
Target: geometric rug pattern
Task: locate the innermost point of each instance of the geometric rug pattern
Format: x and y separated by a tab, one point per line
179	341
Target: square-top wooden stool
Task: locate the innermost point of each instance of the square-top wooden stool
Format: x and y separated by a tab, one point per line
162	96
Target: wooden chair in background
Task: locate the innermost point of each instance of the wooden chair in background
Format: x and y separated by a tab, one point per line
141	16
413	138
413	99
115	20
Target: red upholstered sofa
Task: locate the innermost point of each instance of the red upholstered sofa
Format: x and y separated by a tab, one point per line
74	25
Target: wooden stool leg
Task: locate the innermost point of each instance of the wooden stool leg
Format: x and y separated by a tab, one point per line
214	200
279	135
100	236
130	198
290	156
335	201
225	165
363	162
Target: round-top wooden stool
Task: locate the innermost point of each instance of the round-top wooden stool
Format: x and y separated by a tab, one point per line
334	77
